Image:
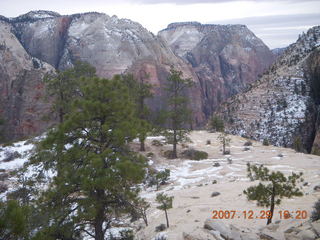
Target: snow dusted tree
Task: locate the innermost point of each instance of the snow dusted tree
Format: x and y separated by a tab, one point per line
97	172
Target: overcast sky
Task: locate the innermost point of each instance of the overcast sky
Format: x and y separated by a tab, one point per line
277	23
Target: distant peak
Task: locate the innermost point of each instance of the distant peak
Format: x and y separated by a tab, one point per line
209	25
180	24
40	14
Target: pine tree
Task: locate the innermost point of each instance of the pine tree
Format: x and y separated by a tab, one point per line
315	215
165	204
216	124
97	174
140	90
13	220
64	86
276	187
225	141
141	206
178	113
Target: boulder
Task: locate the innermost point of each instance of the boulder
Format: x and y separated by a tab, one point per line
225	231
214	194
198	234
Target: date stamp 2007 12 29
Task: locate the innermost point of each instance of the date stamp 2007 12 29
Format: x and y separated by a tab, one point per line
263	214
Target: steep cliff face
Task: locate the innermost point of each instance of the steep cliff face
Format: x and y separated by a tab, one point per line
43	34
111	45
21	88
313	71
282	105
224	57
221	60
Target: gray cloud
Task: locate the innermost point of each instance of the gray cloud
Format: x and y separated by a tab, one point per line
277	30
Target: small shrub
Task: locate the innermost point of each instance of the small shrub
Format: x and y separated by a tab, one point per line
246	149
297	144
214	182
226	152
161	227
4	176
265	142
247	143
127	234
216	164
168	154
315	215
3	187
10	156
208	142
194	154
150	155
183	145
156	143
214	194
280	155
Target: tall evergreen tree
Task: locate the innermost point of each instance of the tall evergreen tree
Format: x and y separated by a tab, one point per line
97	173
277	187
140	90
63	86
178	113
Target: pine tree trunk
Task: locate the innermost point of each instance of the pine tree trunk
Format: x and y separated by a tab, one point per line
165	211
224	146
145	219
142	145
61	115
98	226
271	205
174	152
99	218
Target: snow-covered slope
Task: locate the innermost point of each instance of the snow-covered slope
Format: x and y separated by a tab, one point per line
280	106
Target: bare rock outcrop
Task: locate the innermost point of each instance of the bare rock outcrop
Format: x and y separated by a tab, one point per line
224	57
221	60
21	88
282	106
111	45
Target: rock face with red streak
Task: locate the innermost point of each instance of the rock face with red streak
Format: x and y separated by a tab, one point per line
224	57
43	34
220	60
22	103
111	45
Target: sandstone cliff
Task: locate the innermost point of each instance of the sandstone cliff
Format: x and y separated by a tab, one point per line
21	87
282	105
221	60
224	57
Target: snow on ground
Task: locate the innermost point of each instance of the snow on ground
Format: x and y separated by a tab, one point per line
23	148
192	182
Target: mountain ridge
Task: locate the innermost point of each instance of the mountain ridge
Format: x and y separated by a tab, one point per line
281	105
221	64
